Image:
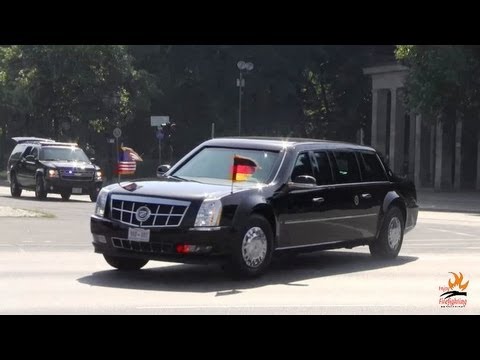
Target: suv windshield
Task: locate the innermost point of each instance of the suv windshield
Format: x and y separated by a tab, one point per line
63	154
214	165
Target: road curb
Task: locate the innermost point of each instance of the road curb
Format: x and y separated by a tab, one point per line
449	210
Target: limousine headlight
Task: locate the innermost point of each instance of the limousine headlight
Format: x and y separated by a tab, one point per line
209	213
101	202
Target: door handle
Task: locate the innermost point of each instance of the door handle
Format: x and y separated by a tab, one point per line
366	196
318	200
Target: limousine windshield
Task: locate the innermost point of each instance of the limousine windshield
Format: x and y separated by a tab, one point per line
214	165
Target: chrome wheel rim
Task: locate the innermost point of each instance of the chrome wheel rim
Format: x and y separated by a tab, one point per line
254	247
394	233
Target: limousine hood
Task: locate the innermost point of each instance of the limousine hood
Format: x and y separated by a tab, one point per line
176	189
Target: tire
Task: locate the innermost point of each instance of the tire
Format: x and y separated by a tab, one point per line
65	195
94	195
390	238
247	261
125	264
15	189
40	192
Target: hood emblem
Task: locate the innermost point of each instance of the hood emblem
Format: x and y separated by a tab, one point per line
143	214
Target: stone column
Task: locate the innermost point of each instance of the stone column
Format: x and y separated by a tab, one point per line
374	117
458	153
417	152
397	130
478	162
411	145
379	119
431	154
438	156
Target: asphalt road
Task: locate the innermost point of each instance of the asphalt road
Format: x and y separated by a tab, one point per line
47	266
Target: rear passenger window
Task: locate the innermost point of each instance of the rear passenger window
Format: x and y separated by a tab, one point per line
347	167
372	169
324	175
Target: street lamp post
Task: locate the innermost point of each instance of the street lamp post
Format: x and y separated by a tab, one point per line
244	68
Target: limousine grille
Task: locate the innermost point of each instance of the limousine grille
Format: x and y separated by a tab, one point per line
148	212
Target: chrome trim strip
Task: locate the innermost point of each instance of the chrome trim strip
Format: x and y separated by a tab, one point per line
327	219
309	245
150	200
205	228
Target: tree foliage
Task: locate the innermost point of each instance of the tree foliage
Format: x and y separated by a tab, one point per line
82	92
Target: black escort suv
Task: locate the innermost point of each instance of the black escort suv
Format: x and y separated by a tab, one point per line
288	196
46	166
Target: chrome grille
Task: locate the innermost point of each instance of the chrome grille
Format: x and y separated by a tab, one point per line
164	212
76	175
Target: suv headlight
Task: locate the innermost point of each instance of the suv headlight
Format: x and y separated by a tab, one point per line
52	173
98	175
101	202
209	213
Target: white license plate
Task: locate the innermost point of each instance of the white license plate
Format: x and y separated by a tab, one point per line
76	190
137	234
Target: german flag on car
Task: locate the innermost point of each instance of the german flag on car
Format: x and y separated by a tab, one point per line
243	168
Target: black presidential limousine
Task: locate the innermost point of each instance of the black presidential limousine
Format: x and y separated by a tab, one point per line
288	196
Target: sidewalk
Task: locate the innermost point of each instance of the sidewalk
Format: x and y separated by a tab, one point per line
461	201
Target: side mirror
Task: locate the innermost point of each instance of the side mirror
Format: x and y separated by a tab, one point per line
30	158
305	179
162	169
92	160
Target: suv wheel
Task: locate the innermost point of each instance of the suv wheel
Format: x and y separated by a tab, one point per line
15	189
65	195
125	264
389	241
94	194
40	192
252	250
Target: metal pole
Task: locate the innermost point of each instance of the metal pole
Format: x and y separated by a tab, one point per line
213	130
159	148
240	105
118	154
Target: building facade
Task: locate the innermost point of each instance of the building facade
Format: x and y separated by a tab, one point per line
432	154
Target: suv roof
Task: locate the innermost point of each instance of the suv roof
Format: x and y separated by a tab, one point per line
29	139
41	141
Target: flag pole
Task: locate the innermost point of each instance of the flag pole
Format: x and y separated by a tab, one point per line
233	173
118	161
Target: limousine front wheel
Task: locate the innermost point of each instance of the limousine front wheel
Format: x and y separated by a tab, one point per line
389	241
252	250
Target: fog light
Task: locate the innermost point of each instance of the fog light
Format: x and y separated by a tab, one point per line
99	238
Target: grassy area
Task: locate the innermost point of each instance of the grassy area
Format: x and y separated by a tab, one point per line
3	175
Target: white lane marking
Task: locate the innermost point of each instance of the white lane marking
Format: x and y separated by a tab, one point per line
258	306
452	232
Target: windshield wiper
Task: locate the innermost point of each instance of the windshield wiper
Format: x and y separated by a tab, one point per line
180	178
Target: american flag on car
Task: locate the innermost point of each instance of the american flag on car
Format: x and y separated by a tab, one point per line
127	162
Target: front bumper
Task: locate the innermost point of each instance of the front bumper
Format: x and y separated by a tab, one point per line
111	238
57	185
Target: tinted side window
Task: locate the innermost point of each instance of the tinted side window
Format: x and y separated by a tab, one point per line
347	167
17	152
372	169
302	166
27	151
324	175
